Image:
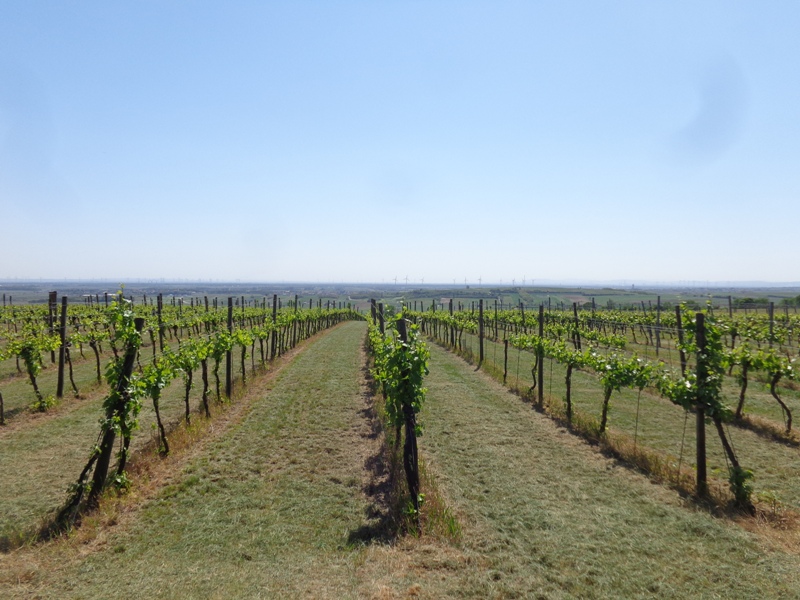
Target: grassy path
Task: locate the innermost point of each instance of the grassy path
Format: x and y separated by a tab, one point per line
266	511
271	508
663	427
544	516
41	454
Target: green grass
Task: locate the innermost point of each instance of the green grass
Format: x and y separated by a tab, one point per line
550	518
276	507
656	424
267	511
42	454
41	457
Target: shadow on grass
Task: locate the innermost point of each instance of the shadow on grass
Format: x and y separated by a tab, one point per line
382	526
10	414
768	430
383	514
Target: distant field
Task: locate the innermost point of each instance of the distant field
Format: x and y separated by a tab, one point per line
360	294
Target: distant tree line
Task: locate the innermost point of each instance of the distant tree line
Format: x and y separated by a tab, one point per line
764	301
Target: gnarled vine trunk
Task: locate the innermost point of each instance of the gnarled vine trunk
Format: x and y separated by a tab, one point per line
204	372
740	405
604	417
786	412
187	389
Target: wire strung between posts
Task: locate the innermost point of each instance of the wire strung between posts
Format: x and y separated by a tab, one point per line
683	439
636	429
730	437
669	355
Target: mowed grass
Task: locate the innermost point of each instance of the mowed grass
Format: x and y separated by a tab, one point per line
548	517
654	423
276	508
267	511
42	454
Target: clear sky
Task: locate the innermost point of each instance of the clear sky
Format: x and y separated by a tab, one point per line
362	141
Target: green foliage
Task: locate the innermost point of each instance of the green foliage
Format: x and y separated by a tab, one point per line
122	405
700	388
221	342
399	367
43	403
618	371
777	366
155	377
749	301
29	345
121	482
243	337
741	483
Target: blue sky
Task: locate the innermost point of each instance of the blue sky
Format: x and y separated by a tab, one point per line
359	141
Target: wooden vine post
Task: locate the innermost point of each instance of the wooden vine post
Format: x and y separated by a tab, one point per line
274	342
410	455
159	308
505	360
540	357
658	325
480	331
452	328
702	374
294	324
576	337
495	320
52	306
62	351
228	353
771	322
680	339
